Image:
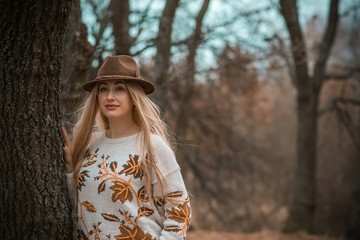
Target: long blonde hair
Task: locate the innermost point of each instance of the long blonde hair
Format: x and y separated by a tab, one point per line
146	114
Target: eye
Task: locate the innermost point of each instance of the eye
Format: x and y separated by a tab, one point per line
119	89
103	89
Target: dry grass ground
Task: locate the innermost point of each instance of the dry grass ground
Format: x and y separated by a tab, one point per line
264	235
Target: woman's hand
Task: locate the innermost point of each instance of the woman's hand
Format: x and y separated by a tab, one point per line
67	151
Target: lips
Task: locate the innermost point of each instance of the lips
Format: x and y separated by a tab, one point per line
111	106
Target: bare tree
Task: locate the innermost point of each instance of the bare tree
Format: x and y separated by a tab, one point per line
33	195
101	11
119	17
303	199
163	46
189	76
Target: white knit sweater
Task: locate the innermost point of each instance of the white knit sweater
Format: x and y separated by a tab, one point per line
111	199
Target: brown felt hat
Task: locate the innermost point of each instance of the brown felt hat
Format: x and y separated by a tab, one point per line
120	67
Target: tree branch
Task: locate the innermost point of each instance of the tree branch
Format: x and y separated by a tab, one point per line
326	43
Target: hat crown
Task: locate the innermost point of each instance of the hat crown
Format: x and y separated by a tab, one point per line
121	65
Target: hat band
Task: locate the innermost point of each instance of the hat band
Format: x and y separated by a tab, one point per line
110	77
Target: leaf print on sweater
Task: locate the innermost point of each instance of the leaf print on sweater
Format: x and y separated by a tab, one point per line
95	232
102	186
141	195
82	235
170	197
181	214
144	212
133	167
113	166
81	178
122	192
88	206
90	157
128	233
110	217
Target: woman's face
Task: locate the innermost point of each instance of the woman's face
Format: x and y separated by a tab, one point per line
114	100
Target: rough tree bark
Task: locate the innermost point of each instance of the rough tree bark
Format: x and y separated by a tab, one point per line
163	46
303	200
33	195
121	26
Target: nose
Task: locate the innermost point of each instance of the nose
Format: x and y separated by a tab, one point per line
110	96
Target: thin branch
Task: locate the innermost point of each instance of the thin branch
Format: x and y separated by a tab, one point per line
343	100
339	76
239	15
143	18
342	73
327	42
346	119
333	103
351	9
138	52
102	19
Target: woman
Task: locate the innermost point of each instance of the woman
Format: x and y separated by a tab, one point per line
123	179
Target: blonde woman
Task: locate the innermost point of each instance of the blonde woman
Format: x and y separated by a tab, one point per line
123	178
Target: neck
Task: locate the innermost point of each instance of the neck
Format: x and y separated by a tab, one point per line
122	128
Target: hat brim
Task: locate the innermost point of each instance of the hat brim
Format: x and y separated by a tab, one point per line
146	85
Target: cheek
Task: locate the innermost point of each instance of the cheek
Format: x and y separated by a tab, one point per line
99	100
127	99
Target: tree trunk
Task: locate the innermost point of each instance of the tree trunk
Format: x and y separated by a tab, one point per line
354	223
189	78
77	62
121	26
163	46
303	199
33	195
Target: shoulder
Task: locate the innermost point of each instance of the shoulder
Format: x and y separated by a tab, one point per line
96	138
156	139
160	146
164	155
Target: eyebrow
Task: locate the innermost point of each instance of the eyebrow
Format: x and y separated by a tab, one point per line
117	82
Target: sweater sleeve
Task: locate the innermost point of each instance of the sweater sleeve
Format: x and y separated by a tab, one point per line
71	188
173	203
170	194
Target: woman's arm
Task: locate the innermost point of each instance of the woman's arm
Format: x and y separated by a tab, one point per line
67	151
71	184
173	200
72	189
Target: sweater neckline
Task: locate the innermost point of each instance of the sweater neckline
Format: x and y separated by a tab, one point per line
119	140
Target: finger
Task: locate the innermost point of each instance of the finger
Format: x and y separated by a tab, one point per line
65	137
67	154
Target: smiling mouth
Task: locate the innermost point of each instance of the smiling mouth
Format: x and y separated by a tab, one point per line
111	106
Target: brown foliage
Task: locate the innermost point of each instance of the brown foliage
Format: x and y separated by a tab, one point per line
228	152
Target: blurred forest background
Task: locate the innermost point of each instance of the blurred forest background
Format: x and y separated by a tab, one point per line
264	97
229	83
